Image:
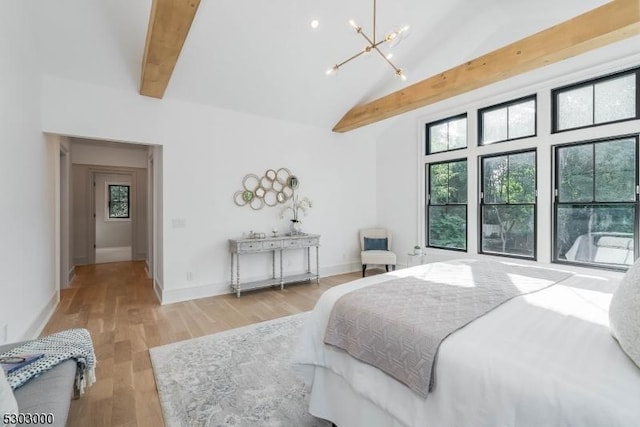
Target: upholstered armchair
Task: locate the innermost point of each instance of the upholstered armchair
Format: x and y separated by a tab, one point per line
375	246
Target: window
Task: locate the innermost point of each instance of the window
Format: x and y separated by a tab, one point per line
447	205
448	134
504	122
605	100
596	203
508	204
118	203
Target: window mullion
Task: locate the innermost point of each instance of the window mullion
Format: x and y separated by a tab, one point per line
593	105
508	136
593	173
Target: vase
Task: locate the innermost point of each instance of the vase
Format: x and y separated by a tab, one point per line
295	227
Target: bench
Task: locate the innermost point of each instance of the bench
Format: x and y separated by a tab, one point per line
49	393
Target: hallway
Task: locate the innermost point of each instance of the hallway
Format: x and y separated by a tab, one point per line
116	303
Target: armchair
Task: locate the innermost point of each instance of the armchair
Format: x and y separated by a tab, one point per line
375	245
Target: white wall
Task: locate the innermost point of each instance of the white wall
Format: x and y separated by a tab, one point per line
104	153
28	169
205	154
401	152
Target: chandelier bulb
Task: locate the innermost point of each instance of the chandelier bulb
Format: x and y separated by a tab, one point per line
400	74
355	26
332	70
395	37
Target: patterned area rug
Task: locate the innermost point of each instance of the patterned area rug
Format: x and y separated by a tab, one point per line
241	377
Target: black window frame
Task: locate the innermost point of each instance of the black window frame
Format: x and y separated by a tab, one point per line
506	105
556	203
429	204
481	203
110	202
592	82
447	120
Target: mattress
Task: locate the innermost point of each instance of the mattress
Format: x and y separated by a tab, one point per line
546	358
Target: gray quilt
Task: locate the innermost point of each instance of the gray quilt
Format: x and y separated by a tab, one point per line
398	325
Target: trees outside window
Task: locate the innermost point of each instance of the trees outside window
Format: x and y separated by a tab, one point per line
604	100
596	203
445	135
508	204
507	121
447	205
118	201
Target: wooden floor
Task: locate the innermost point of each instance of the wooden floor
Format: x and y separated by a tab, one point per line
116	303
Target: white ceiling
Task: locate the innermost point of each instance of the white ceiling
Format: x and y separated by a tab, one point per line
262	57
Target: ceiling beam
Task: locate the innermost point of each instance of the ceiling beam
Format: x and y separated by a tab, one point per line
169	25
609	23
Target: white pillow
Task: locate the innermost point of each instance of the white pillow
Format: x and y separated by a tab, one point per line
8	404
624	313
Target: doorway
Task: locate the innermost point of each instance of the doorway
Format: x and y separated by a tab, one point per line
114	213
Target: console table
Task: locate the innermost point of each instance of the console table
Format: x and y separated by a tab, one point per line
276	245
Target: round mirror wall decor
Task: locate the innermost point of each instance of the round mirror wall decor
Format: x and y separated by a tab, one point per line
275	186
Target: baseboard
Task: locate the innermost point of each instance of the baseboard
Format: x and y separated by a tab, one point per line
170	296
72	274
158	290
147	269
340	269
43	318
81	261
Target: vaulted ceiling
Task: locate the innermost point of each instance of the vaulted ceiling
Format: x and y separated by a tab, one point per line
263	57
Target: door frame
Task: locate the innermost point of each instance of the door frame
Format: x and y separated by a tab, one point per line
64	206
150	215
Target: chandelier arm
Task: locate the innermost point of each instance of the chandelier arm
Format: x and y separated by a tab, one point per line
366	38
371	43
374	22
379	43
396	69
350	59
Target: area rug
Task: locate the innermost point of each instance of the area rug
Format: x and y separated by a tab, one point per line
241	377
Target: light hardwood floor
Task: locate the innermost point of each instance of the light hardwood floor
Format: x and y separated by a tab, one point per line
116	303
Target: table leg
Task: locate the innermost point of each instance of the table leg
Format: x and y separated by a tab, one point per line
308	259
238	275
281	273
232	271
318	264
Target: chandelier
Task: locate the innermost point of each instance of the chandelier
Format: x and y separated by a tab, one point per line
392	39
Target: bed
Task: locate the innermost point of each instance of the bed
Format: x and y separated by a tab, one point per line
542	359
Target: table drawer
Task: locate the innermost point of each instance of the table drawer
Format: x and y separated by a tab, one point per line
277	244
249	246
311	241
293	243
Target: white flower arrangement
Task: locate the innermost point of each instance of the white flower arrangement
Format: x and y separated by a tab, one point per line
297	206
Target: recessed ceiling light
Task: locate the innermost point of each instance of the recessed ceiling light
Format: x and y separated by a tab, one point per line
314	23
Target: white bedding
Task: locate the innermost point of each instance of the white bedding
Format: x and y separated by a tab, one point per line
544	359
